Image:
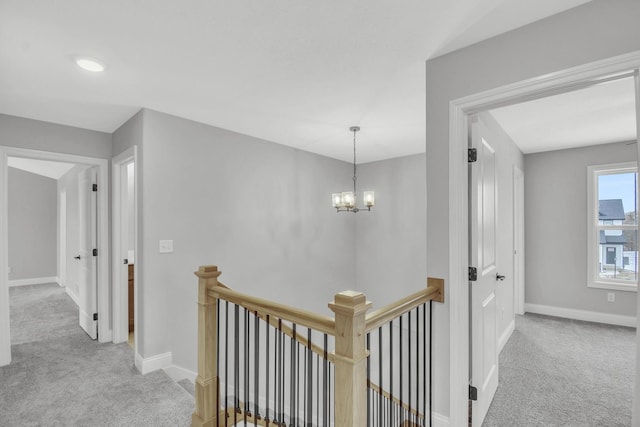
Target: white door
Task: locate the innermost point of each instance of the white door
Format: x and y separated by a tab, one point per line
87	278
483	227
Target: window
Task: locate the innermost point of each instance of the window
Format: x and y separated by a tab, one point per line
613	226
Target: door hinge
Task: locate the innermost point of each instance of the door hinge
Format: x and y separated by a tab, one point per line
472	155
95	187
95	316
473	393
95	252
473	274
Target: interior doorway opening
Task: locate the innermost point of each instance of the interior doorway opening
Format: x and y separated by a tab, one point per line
98	265
126	262
460	111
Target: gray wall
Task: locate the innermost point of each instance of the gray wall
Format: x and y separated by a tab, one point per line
258	210
556	229
32	223
38	135
391	240
597	30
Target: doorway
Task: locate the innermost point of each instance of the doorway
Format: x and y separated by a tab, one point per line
460	112
126	262
103	312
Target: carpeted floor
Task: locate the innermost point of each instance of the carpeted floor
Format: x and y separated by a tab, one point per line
559	372
60	377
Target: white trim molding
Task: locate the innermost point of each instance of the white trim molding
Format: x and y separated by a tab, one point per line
504	338
587	316
178	373
73	296
459	111
33	281
153	363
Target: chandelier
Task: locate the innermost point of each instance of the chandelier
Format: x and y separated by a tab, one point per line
346	201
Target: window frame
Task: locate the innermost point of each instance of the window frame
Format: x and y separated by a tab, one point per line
593	228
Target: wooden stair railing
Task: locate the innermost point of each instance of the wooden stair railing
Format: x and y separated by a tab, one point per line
349	330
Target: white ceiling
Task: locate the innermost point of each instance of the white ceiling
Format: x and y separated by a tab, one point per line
294	72
599	114
53	170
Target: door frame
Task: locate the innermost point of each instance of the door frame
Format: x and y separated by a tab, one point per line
120	291
104	312
518	240
459	110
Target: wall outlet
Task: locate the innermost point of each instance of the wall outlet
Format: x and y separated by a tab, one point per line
166	246
611	297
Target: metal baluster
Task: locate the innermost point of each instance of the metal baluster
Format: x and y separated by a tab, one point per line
390	373
246	366
401	368
409	360
281	375
317	389
310	380
417	366
368	380
236	370
380	403
266	368
424	364
430	360
292	379
325	386
256	366
226	361
218	349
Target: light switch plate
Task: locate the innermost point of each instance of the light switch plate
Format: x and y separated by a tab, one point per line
611	297
166	246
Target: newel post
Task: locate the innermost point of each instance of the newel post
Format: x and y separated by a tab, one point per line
207	386
350	359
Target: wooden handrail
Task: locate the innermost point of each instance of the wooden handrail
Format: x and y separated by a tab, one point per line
298	316
434	291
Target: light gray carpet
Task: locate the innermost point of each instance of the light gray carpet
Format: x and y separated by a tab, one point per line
60	377
559	372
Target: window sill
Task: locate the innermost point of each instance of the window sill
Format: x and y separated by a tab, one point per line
614	286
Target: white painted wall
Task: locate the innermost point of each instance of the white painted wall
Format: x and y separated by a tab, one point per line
391	240
261	211
32	223
556	229
596	30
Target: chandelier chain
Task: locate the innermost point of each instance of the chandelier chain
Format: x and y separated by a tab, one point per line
354	162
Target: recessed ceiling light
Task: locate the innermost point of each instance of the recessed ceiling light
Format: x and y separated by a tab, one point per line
90	64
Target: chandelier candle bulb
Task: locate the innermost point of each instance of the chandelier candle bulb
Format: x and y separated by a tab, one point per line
369	198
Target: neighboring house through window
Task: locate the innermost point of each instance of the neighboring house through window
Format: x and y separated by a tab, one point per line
613	226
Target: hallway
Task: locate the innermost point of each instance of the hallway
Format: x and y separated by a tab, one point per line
60	377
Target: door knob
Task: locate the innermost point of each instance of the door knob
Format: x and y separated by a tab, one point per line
499	277
76	257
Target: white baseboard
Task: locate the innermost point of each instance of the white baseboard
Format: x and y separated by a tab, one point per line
73	296
33	281
178	373
440	420
59	282
506	335
153	363
589	316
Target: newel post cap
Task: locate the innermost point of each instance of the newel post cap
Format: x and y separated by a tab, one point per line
350	302
208	271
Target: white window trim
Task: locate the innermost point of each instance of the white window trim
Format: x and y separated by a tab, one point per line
593	280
